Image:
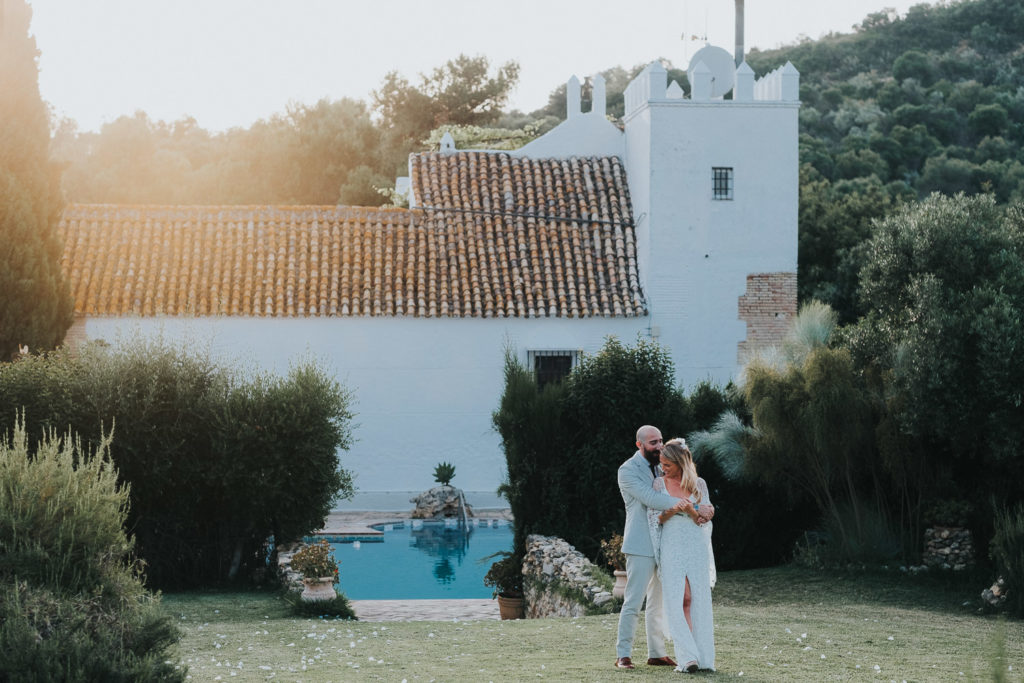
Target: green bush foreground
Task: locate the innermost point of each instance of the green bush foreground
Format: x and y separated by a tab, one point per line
72	604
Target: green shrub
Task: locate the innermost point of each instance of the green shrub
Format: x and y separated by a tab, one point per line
506	575
1007	550
338	608
61	513
72	604
444	473
218	462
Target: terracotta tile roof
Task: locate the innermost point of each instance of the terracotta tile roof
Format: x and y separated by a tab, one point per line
496	236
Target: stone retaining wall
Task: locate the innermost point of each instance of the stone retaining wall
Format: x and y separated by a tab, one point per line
560	582
948	548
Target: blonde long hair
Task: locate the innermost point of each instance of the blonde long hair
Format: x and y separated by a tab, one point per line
677	453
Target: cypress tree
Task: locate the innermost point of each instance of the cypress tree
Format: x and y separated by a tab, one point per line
35	301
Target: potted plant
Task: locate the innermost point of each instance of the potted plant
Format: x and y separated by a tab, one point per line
611	549
506	576
319	570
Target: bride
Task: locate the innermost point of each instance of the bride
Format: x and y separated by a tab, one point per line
683	554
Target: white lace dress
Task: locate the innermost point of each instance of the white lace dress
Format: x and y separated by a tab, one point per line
682	551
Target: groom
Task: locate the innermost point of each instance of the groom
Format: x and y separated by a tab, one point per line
636	483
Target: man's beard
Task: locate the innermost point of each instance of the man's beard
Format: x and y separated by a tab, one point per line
652	456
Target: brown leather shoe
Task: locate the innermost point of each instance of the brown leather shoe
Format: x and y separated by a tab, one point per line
661	661
624	663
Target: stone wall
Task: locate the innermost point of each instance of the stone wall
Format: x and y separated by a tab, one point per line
291	579
948	548
560	582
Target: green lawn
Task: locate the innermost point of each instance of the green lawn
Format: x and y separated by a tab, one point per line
777	624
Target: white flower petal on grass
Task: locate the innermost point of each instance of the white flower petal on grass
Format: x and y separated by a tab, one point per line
877	668
823	656
290	645
788	631
803	635
890	638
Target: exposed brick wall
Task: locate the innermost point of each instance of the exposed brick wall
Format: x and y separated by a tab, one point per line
768	307
75	335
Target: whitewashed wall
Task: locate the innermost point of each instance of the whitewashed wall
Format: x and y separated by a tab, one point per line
424	388
694	252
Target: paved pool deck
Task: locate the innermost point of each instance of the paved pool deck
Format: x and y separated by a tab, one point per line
360	523
426	610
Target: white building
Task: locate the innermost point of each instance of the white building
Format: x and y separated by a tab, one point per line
681	227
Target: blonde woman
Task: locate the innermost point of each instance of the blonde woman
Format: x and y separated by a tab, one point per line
682	553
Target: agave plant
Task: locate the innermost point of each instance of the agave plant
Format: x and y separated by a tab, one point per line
444	473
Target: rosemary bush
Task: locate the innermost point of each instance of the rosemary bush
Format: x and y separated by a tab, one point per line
72	604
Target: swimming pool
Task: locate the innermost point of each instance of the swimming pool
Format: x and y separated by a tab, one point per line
421	560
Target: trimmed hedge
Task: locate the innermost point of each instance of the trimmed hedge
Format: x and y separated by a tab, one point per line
218	462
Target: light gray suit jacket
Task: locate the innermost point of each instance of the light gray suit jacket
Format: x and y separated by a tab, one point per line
636	483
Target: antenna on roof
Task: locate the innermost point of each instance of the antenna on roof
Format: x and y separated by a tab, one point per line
739	32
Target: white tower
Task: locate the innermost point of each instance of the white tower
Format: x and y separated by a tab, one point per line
714	186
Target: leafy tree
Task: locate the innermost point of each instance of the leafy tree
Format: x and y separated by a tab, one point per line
461	92
834	219
988	119
35	302
946	300
914	64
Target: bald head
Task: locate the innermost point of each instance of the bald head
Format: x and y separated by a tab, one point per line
646	431
648	440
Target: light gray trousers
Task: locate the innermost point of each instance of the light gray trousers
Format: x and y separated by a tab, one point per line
641	580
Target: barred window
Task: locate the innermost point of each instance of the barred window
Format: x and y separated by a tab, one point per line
721	182
551	366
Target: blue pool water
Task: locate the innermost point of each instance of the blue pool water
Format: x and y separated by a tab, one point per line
423	561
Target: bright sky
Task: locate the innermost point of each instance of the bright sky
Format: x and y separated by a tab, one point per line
231	62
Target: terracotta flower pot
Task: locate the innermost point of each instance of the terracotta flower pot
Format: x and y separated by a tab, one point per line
619	590
318	589
511	608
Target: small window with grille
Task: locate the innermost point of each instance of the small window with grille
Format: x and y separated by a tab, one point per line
551	366
721	182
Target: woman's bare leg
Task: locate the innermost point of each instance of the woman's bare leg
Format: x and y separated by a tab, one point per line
686	605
